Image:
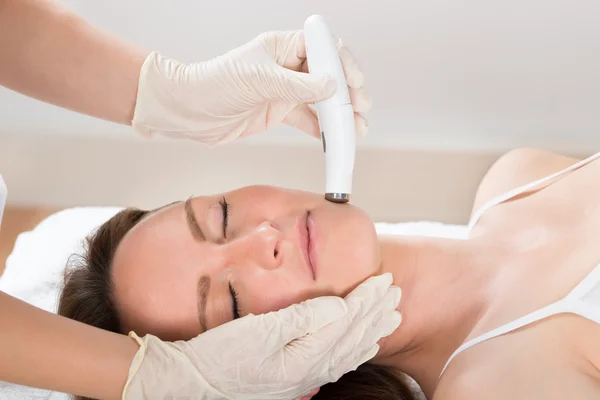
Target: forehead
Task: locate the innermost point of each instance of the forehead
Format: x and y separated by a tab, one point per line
158	227
161	226
152	271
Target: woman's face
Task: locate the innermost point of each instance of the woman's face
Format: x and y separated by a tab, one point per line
196	265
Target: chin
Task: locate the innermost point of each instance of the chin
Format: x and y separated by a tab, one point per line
348	249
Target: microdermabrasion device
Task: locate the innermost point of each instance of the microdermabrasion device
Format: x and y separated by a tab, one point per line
336	116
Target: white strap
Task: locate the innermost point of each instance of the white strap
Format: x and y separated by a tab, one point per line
526	188
571	303
587	310
555	308
586	285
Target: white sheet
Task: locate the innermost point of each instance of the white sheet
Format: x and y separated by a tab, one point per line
34	270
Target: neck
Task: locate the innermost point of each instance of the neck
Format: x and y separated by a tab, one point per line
443	285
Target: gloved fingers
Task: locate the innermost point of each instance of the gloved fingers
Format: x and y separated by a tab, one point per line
354	75
365	356
288	85
372	337
367	294
378	321
287	48
317	350
381	321
361	125
347	343
310	395
298	61
361	100
368	355
387	326
300	321
355	331
382	327
352	71
304	118
281	80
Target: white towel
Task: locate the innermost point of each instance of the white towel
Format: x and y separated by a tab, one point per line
34	270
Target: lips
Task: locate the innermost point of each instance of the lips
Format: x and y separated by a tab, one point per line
305	242
312	243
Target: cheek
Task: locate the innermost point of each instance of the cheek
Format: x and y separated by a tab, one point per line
274	291
165	308
349	250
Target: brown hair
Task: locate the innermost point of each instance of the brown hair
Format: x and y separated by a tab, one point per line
87	297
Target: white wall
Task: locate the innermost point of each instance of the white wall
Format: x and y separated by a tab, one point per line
458	77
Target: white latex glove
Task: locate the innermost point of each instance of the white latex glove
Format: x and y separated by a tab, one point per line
246	91
279	355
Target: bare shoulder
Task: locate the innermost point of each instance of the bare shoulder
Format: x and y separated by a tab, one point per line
465	387
485	382
518	167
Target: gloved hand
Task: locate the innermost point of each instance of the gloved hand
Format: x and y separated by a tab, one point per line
246	91
279	355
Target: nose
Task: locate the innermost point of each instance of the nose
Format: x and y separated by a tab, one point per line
259	247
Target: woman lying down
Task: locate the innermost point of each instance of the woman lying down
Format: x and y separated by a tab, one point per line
510	313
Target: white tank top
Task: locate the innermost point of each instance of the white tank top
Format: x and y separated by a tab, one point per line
583	300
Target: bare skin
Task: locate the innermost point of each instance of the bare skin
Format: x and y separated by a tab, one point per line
522	255
51	54
68	356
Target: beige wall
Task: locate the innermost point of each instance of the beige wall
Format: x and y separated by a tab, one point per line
392	185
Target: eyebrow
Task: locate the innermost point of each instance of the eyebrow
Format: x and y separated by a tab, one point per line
192	222
203	286
202	290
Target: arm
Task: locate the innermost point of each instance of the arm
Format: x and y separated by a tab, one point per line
44	350
49	53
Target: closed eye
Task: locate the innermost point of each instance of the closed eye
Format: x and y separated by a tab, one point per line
225	207
236	305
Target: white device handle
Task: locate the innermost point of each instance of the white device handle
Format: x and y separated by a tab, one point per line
336	116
